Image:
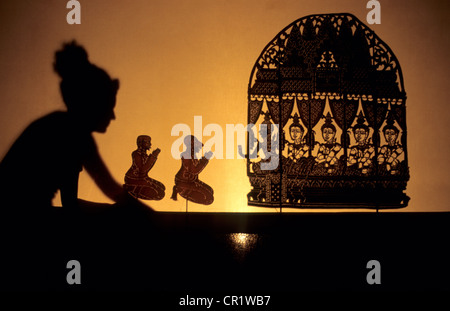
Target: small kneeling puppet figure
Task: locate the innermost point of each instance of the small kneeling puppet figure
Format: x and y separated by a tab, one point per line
137	182
187	183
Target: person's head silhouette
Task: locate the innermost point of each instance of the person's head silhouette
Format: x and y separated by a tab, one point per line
87	90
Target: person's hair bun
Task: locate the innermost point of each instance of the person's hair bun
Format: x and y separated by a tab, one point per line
71	60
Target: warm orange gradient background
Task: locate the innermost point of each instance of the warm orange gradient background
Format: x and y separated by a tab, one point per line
178	59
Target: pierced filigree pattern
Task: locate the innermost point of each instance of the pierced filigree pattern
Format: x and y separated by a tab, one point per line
333	65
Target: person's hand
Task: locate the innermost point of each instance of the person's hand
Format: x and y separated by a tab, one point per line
209	155
156	152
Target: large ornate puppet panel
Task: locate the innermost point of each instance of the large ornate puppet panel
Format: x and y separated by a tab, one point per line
334	93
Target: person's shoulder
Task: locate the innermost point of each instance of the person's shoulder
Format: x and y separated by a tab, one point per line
44	126
52	119
136	153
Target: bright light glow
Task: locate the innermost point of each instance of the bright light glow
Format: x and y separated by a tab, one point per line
243	241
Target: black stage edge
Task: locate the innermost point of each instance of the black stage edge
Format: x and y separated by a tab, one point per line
184	253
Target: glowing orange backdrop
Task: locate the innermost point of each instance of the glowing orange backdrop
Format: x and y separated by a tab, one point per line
179	59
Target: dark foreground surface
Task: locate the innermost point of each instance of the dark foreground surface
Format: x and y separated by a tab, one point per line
227	253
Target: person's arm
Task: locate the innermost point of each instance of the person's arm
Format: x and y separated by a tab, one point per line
395	154
381	155
194	169
332	157
368	155
320	155
352	158
69	190
97	169
144	166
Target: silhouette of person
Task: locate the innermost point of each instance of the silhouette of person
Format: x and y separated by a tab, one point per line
49	155
187	183
137	182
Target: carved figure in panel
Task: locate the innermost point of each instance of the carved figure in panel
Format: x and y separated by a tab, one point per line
298	148
266	147
391	154
327	155
361	154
